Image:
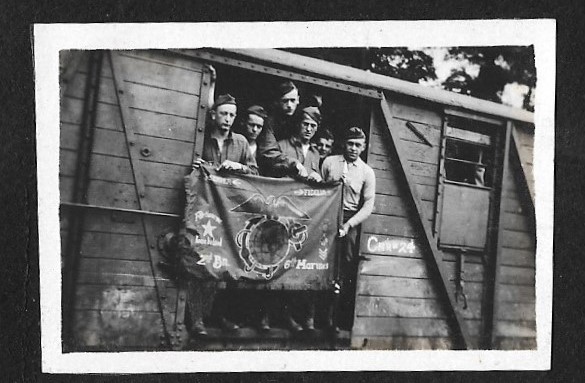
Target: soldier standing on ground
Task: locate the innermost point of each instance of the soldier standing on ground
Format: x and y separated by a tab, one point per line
359	186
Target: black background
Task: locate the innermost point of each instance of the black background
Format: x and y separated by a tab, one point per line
19	302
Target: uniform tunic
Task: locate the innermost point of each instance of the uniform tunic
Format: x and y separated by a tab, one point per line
292	147
235	148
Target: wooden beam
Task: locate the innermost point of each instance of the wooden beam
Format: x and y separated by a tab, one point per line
220	58
378	81
515	143
491	325
423	223
129	122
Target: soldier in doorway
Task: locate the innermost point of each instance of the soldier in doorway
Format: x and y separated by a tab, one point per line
228	151
280	125
359	186
323	142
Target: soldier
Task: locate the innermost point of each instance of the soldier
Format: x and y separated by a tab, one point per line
359	186
228	151
323	142
298	146
279	125
252	126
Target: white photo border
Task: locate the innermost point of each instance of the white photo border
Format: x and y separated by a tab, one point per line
49	39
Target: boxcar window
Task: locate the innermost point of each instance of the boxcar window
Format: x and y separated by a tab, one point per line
467	177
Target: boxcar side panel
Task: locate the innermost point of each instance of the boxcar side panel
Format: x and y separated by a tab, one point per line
398	304
515	316
122	299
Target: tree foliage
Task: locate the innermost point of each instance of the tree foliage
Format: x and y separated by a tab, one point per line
403	63
498	66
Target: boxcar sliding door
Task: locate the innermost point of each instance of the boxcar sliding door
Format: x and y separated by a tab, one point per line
129	125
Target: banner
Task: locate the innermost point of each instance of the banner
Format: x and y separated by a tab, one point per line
278	232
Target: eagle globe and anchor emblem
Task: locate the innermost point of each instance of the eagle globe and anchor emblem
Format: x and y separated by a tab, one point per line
267	238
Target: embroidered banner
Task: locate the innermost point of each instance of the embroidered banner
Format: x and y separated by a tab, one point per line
276	231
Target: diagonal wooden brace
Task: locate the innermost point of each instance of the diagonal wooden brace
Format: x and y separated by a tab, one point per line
422	222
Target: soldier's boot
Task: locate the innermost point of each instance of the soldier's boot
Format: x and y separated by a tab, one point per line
310	321
264	323
227	325
332	310
290	322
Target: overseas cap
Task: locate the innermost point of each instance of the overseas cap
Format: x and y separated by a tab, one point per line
354	133
224	99
284	88
313	112
257	110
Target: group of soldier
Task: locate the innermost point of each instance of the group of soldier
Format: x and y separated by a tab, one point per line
289	141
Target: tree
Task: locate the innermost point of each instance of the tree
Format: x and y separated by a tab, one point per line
403	63
499	66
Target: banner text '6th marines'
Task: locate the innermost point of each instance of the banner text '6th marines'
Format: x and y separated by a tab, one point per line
280	232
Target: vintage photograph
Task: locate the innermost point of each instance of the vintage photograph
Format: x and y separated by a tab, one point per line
324	198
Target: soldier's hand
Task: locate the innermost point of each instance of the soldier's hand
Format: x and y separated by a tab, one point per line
302	172
197	163
212	72
230	165
344	230
314	176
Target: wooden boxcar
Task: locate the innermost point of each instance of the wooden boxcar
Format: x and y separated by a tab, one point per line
448	254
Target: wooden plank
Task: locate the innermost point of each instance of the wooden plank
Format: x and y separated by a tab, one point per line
513	205
142	97
511	275
516	293
114	246
432	133
166	151
515	329
395	205
502	343
110	222
66	188
103	193
148	123
426	327
394	267
117	330
98	271
398	287
67	162
517	240
389	225
461	328
165	175
416	268
518	257
378	244
392	187
517	311
164	58
115	169
116	298
516	222
160	76
409	288
416	114
414	151
399	307
108	168
386	164
401	343
112	194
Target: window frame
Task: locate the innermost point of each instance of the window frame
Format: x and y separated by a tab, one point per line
496	131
